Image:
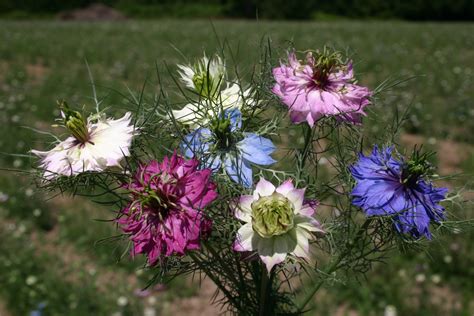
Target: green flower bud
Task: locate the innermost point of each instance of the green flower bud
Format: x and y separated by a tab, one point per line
75	123
272	215
221	129
208	76
204	85
416	167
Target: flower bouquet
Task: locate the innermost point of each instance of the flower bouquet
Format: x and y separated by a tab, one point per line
264	181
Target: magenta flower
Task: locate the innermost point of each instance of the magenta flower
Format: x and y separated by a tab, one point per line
164	216
323	86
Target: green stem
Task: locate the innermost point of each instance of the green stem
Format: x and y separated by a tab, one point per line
263	291
223	264
308	141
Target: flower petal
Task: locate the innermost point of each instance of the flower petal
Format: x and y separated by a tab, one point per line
256	149
308	223
296	197
243	241
285	187
263	188
239	170
272	260
243	209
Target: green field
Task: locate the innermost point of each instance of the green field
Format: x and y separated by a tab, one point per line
49	251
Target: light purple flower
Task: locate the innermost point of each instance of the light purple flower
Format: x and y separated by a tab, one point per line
322	86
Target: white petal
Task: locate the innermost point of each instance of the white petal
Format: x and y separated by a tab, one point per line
243	209
306	210
263	188
272	260
308	223
285	187
302	240
244	239
296	197
187	75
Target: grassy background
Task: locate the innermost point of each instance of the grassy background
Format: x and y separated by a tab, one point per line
48	250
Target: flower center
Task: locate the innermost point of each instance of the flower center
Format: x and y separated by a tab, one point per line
75	123
159	202
205	85
324	63
415	168
272	215
221	128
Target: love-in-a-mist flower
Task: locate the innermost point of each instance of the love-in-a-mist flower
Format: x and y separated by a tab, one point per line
205	77
321	86
277	222
165	215
95	144
224	145
391	186
214	94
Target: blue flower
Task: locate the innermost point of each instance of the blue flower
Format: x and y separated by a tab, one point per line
224	145
390	186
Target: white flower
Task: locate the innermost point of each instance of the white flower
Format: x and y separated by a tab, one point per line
436	278
3	197
205	77
95	146
277	223
31	279
122	301
199	113
390	310
420	278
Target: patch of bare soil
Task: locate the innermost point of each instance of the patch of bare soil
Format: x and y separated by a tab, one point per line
3	310
94	12
200	304
36	73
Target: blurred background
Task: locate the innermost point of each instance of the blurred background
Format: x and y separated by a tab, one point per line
51	259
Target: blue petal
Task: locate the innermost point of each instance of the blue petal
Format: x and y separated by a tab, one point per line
256	149
239	170
196	142
212	162
235	118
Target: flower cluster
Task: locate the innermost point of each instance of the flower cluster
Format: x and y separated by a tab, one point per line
186	203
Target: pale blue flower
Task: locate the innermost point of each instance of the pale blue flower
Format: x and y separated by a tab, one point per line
224	145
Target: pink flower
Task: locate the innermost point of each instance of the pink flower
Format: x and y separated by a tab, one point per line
164	216
323	86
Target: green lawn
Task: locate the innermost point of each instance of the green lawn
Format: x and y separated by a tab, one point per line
48	252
